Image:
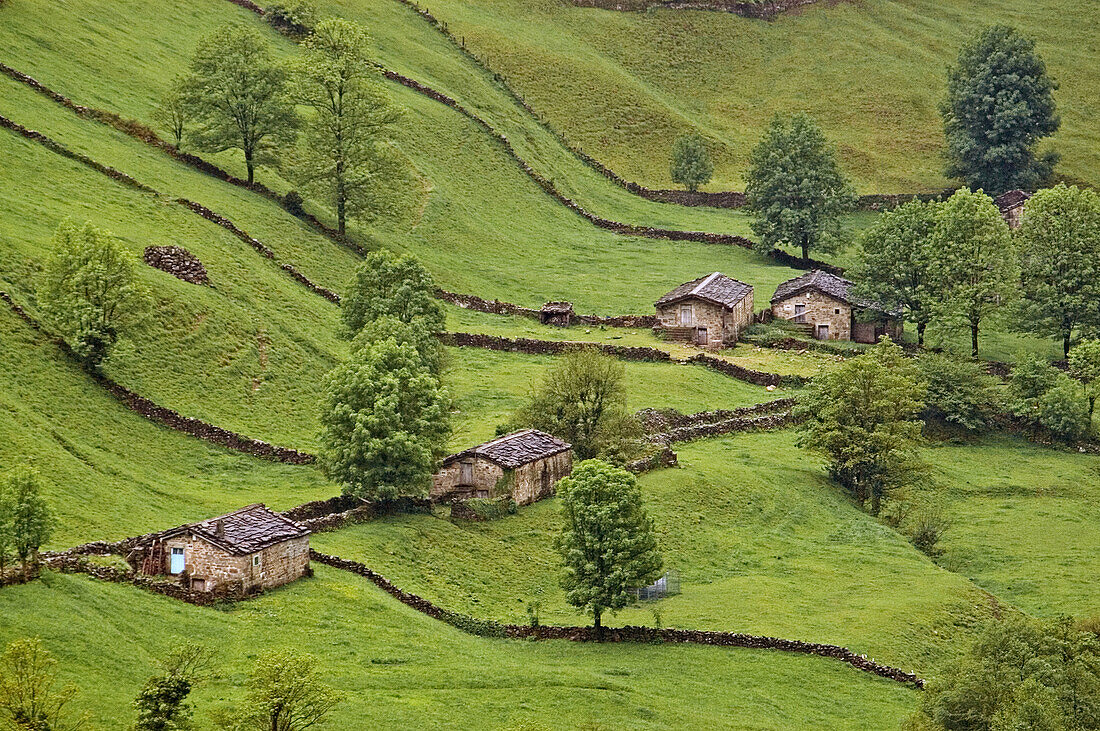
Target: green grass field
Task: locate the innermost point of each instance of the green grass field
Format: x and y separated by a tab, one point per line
622	85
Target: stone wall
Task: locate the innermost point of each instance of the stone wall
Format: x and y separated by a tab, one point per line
496	307
821	309
177	261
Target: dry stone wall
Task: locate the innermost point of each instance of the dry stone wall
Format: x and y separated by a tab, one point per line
177	261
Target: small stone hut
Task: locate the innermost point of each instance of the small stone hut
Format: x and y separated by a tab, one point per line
557	313
246	551
1011	205
710	311
823	304
524	465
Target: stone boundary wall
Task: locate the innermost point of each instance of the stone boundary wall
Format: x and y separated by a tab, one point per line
725	426
655	421
662	457
79	564
741	373
496	307
767	10
619	634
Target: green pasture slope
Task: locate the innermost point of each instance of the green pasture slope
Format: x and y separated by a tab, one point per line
622	85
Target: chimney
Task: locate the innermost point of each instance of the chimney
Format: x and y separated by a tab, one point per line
219	529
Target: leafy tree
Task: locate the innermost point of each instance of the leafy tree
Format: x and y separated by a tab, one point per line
862	417
582	399
384	422
606	541
1062	410
1059	245
7	527
30	515
974	263
404	333
1030	379
1018	674
691	165
297	16
1084	365
386	284
796	189
238	96
895	268
344	157
999	104
89	291
30	698
284	693
161	705
957	391
173	111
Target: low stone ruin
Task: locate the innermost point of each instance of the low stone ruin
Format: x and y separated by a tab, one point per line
178	262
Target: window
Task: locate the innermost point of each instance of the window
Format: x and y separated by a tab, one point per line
800	313
256	560
836	311
685	315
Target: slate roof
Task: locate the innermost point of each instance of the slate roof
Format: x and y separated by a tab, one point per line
1010	200
244	531
515	449
832	285
716	288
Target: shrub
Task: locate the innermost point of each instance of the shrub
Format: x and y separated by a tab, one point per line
1063	412
297	16
959	391
1031	378
293	202
926	529
489	508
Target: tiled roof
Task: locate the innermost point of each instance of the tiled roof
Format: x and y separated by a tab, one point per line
515	449
245	531
832	285
716	288
1011	199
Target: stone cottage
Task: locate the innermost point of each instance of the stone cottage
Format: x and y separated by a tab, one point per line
246	551
1012	206
525	465
710	311
822	303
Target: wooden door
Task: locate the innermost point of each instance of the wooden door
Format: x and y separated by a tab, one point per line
177	564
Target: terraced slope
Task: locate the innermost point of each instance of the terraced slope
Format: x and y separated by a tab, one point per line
622	85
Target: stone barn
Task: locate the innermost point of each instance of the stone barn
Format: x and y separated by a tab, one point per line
246	551
710	311
557	313
1011	205
823	305
524	465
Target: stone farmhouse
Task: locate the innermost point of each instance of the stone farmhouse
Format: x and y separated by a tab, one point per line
710	311
524	465
243	552
1012	206
822	303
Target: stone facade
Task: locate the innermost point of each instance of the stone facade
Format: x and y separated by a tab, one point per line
827	317
479	477
712	326
210	568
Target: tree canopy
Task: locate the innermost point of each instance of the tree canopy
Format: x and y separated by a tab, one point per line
30	696
691	165
89	291
999	105
284	692
387	284
1084	365
796	190
31	520
606	542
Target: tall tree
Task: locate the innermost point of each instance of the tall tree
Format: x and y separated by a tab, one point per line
31	517
895	267
1084	365
387	284
238	96
796	190
161	705
1059	247
691	165
863	418
383	423
89	291
606	541
30	697
403	333
582	399
173	111
284	693
974	261
1000	104
344	157
7	529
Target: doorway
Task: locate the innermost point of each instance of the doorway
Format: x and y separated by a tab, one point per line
822	332
700	336
176	563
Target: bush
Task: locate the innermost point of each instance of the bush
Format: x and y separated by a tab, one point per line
293	203
1031	378
298	16
926	529
488	509
1063	412
959	391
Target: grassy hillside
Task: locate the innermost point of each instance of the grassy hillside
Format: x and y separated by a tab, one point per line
622	85
400	669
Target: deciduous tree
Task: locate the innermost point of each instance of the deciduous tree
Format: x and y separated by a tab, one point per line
30	697
957	391
161	705
796	190
999	105
691	165
1084	365
284	693
1059	246
30	515
894	267
387	284
404	333
384	422
89	291
606	542
238	96
974	263
863	418
173	111
344	157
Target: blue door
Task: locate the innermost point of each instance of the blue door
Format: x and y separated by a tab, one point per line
176	564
